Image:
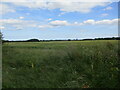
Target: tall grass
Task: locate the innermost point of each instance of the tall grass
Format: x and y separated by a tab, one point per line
92	64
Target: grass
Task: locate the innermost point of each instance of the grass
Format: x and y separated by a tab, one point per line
61	64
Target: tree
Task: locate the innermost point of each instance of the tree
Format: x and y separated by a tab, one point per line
33	40
1	38
69	39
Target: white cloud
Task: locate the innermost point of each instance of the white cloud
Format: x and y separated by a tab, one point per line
107	22
5	9
62	13
21	17
10	21
65	6
90	21
45	26
56	23
59	23
82	7
76	23
104	14
49	19
108	8
2	27
86	22
101	22
17	23
60	0
21	24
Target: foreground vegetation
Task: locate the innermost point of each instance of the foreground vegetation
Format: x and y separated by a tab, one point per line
61	64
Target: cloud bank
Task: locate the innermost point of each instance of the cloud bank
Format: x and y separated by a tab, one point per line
19	23
5	9
62	5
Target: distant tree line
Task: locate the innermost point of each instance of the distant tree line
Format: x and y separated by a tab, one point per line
37	40
111	38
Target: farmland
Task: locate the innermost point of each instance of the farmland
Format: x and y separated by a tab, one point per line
61	64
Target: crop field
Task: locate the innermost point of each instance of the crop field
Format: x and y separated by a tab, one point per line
61	64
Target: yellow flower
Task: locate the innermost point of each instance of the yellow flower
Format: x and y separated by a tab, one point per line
32	65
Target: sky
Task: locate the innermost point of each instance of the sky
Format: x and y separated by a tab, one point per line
58	20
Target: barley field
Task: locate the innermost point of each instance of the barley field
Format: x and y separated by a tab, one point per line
61	64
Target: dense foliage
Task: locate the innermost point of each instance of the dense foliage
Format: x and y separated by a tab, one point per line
1	37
